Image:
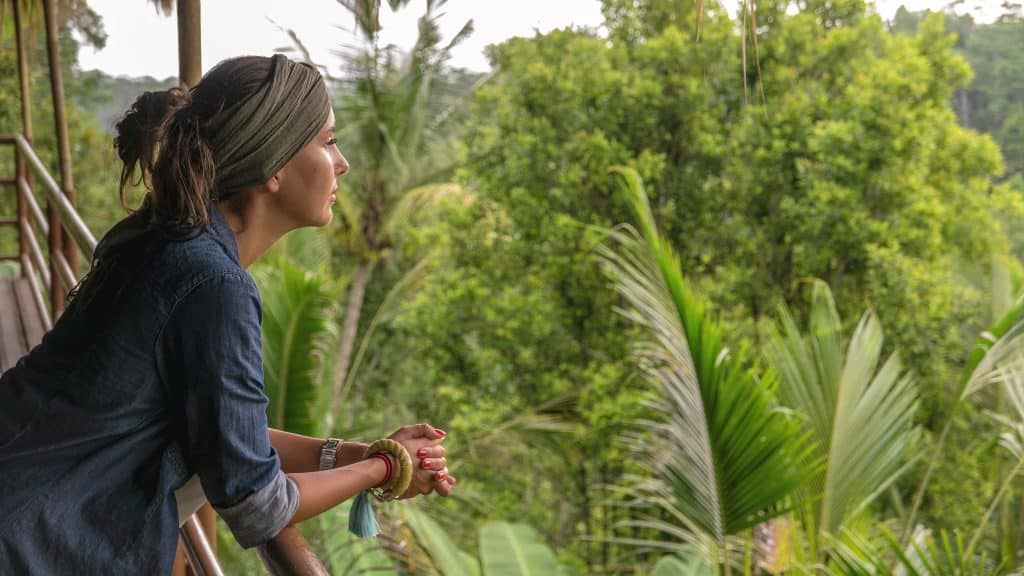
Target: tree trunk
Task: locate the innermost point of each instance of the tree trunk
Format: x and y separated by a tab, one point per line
965	107
356	294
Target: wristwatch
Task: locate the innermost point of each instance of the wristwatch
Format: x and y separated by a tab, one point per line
329	453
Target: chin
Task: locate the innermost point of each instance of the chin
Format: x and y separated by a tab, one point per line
326	219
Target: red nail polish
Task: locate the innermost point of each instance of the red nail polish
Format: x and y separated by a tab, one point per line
439	431
426	463
440	475
422	452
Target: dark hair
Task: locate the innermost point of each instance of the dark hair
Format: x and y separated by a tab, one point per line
163	144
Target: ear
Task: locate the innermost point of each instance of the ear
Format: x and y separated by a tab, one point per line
274	184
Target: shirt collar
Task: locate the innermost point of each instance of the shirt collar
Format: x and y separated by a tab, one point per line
222	233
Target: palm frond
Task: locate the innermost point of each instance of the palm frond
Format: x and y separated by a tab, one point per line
545	427
998	346
423	202
1012	439
995	349
298	339
726	456
861	415
676	566
925	555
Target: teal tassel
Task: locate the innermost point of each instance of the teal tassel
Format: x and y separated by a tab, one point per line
361	520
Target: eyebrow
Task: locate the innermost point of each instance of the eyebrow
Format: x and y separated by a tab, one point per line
328	129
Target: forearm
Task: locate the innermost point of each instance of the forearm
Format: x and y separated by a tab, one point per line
321	491
300	453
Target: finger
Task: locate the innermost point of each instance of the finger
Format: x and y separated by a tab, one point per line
414	431
443	489
434	463
435	451
450	479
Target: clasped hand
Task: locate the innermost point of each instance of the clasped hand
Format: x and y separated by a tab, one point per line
430	467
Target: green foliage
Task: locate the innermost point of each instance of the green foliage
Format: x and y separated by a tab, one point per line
723	459
346	554
514	549
925	556
299	337
860	410
993	101
674	566
506	549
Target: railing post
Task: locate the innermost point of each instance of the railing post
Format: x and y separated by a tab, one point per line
288	554
59	242
201	558
26	129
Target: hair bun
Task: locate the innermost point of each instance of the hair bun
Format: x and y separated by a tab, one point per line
139	131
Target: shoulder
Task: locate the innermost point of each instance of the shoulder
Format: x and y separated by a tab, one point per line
201	263
220	292
219	314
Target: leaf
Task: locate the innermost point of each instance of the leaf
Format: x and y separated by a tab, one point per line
861	414
1001	344
675	566
446	557
855	555
347	553
298	338
721	452
514	549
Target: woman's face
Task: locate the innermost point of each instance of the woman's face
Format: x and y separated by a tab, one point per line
308	182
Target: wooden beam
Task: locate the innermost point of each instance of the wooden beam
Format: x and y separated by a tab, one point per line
26	123
57	242
190	45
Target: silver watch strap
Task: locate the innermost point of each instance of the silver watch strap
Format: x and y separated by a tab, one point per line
329	453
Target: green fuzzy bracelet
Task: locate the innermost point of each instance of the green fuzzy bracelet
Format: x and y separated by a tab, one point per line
401	478
361	520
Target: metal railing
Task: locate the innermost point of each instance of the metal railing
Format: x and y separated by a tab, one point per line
53	273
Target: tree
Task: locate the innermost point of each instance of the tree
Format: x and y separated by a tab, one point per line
829	174
392	101
721	459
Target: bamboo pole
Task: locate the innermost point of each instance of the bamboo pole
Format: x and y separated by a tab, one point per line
190	71
26	130
59	242
190	60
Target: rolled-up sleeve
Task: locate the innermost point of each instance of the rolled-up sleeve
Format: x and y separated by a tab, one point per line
212	343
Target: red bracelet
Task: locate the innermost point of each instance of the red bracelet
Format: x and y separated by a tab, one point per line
387	463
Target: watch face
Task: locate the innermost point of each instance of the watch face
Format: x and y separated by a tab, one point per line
328	453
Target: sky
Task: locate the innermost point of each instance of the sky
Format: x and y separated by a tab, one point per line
141	41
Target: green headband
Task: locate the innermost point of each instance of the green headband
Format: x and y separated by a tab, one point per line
254	139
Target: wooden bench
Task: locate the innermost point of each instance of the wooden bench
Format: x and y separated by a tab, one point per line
21	327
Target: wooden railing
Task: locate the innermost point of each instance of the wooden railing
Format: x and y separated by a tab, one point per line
53	273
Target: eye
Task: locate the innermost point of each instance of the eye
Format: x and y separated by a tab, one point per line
331	142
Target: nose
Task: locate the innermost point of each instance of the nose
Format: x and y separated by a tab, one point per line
340	164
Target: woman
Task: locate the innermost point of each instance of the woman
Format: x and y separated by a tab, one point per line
153	374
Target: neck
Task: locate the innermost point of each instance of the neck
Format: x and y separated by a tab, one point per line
254	227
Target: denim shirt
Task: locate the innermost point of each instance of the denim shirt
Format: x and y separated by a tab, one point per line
152	377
